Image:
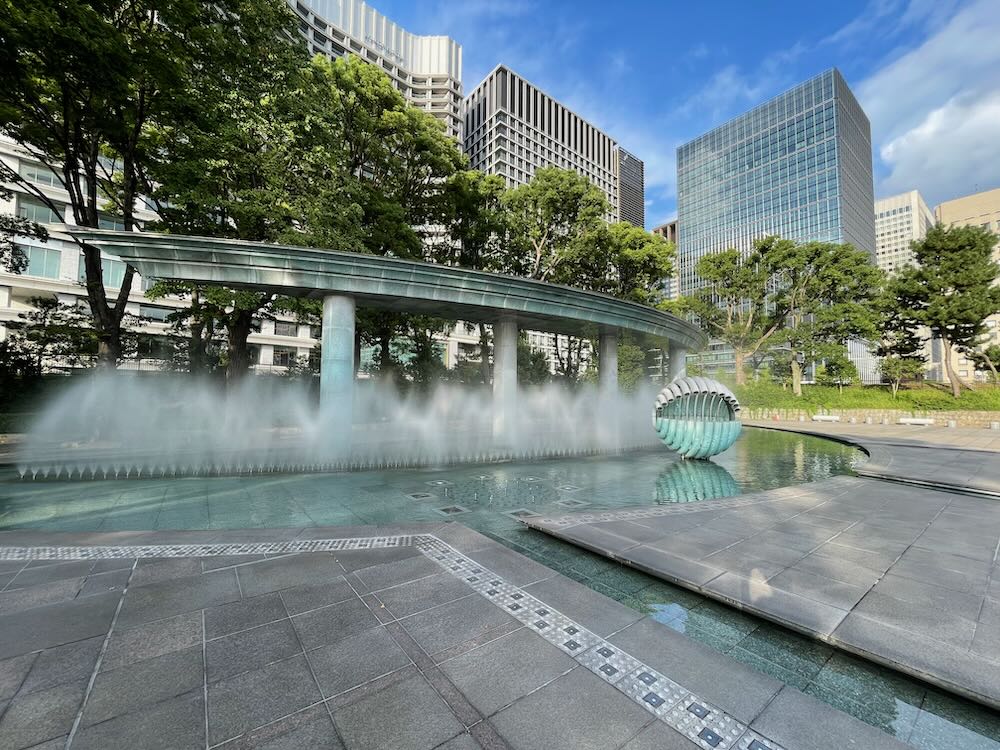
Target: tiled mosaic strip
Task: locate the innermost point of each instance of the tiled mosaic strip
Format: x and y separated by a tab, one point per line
704	724
781	493
204	550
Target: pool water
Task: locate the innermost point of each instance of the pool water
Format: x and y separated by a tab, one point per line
492	497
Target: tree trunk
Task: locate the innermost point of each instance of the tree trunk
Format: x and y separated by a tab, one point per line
953	379
106	326
796	376
739	358
484	354
238	330
993	369
196	344
895	388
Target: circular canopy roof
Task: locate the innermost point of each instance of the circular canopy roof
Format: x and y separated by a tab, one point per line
386	283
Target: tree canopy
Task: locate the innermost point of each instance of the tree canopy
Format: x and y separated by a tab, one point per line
951	290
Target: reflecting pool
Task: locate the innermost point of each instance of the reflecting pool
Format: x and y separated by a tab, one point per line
491	497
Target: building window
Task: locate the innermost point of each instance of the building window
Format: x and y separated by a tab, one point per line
285	356
113	272
110	222
42	261
152	312
39	174
283	328
33	210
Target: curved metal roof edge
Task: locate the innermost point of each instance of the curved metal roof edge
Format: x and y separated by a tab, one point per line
112	241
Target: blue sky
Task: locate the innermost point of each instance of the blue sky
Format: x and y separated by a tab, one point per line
656	74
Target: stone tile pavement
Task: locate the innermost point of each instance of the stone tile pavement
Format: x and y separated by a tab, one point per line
417	637
906	576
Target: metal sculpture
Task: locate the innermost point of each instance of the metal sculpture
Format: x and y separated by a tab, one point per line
697	417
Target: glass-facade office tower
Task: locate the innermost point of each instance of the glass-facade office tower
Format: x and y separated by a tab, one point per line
798	166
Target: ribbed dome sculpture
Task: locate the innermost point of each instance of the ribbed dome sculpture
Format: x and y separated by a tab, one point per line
697	417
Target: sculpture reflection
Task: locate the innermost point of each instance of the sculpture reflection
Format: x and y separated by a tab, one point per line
691	481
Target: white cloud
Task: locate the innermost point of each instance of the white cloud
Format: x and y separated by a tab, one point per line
962	57
933	109
953	151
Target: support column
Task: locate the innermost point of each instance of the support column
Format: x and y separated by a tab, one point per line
504	379
608	363
337	365
678	360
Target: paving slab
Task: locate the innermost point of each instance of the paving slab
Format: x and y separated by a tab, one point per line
884	560
428	649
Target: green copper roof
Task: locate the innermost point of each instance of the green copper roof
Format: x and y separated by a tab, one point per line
387	283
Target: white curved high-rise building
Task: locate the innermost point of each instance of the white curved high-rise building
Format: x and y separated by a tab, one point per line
427	70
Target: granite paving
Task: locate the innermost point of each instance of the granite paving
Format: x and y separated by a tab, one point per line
417	637
904	575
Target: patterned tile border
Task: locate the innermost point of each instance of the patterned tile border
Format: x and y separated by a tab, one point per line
705	725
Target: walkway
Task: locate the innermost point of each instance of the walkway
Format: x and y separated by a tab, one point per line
905	576
418	637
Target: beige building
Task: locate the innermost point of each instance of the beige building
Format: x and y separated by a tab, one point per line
983	210
668	232
427	70
899	220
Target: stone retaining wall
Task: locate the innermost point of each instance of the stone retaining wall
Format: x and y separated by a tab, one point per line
982	419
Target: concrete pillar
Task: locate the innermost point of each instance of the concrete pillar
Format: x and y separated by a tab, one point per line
608	363
337	366
504	379
678	360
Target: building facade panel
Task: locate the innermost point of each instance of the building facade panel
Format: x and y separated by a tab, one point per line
512	128
900	220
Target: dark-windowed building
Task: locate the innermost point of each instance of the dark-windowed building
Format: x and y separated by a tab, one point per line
512	128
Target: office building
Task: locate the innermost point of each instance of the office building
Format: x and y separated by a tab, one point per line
798	166
427	70
631	189
55	269
900	220
668	232
512	128
982	210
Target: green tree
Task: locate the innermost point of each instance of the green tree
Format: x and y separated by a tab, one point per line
631	366
619	259
424	349
83	82
52	331
951	290
735	303
987	360
896	369
532	364
827	294
476	220
549	218
837	368
901	347
798	297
